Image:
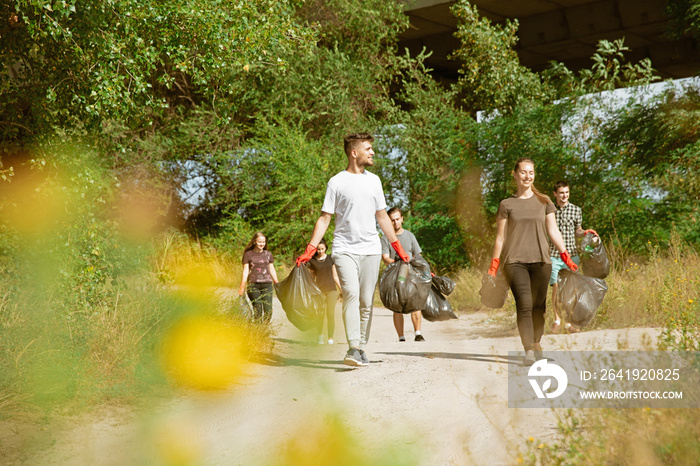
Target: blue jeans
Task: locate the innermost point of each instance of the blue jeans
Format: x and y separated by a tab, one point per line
358	279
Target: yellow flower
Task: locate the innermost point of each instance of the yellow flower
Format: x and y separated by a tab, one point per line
690	301
540	446
531	439
246	67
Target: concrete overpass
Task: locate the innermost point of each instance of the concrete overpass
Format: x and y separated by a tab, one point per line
563	30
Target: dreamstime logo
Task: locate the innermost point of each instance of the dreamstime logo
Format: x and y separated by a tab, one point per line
543	368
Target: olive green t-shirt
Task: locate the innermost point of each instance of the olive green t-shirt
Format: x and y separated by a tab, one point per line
526	238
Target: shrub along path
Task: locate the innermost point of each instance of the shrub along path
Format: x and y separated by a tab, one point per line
441	401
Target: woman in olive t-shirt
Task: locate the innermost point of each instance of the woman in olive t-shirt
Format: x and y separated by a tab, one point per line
259	270
523	223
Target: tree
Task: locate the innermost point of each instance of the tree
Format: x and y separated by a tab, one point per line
658	144
685	15
122	70
491	77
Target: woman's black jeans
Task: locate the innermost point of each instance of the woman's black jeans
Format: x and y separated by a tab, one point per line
529	284
260	295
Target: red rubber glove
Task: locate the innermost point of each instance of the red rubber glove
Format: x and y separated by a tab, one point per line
308	254
567	260
495	262
399	250
241	290
432	274
590	231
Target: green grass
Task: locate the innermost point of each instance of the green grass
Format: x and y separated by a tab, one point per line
619	437
58	356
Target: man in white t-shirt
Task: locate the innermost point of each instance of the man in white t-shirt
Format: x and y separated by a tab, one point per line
356	198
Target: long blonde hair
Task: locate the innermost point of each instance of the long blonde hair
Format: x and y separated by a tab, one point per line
544	199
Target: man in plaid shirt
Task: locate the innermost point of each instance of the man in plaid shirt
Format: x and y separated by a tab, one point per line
569	220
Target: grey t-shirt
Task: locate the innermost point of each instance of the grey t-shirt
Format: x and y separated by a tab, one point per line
526	239
408	243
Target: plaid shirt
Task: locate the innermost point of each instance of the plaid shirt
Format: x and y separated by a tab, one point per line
568	218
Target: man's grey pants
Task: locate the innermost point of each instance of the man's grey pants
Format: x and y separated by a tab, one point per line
358	278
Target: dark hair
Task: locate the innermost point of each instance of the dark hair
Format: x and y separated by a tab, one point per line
352	140
540	197
560	184
322	242
394	209
251	245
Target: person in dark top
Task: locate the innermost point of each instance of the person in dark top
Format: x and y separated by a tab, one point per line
323	270
523	223
259	273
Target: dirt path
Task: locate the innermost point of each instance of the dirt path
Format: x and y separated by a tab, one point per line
442	401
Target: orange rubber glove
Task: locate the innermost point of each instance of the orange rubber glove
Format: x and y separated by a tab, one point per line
590	231
399	251
493	270
567	260
308	254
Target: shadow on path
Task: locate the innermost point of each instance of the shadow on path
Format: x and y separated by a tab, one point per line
275	360
468	356
294	342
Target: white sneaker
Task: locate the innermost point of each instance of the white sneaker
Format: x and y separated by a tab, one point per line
330	341
320	340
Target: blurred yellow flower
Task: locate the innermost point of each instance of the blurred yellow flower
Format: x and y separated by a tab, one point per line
205	352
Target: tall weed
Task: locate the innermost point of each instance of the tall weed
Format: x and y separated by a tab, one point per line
619	436
659	290
88	294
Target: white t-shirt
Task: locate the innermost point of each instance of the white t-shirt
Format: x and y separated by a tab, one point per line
355	200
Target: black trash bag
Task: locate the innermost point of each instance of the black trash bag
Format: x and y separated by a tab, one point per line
444	285
494	291
410	294
579	296
437	308
594	258
301	298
